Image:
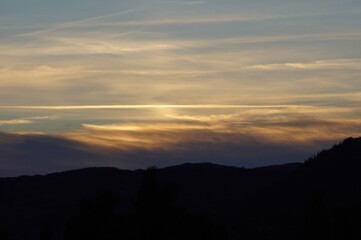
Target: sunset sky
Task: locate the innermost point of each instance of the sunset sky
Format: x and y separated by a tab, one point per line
136	83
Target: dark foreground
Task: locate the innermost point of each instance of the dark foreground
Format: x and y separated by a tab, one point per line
320	199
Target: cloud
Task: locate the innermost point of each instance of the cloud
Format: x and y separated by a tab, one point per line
249	136
195	2
144	136
282	126
15	122
30	153
147	127
177	20
91	45
82	22
322	64
181	2
172	81
22	121
36	153
179	106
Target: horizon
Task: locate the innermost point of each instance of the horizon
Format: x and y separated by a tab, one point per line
134	84
182	164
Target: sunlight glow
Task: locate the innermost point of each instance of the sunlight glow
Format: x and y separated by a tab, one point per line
211	106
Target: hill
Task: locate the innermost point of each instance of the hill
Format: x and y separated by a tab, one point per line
276	202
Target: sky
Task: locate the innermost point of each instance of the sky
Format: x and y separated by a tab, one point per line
132	84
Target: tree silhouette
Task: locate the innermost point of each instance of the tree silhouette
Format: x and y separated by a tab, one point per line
158	217
317	225
97	219
3	235
45	233
156	211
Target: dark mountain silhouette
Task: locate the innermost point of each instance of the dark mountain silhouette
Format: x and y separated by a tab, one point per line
319	199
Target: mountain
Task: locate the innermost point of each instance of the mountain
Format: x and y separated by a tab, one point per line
276	202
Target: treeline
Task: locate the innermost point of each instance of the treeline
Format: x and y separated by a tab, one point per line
319	221
156	216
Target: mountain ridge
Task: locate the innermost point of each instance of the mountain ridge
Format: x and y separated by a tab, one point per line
230	195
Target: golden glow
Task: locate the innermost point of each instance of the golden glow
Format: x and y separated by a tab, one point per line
209	106
222	129
149	127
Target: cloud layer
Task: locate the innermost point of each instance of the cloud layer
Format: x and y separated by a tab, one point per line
148	82
178	52
250	136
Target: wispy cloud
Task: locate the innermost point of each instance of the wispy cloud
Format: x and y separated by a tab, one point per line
62	46
147	127
82	22
280	126
195	106
180	80
195	2
181	2
28	120
110	20
251	136
14	122
110	43
179	137
322	64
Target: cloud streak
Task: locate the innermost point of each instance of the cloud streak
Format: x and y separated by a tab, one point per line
15	122
322	64
83	22
283	126
250	136
195	106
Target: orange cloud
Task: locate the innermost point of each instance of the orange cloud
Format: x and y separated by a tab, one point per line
232	129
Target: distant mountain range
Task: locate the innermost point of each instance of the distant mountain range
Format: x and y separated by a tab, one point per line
318	199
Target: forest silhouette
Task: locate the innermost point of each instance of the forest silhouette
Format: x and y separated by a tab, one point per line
156	216
318	199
